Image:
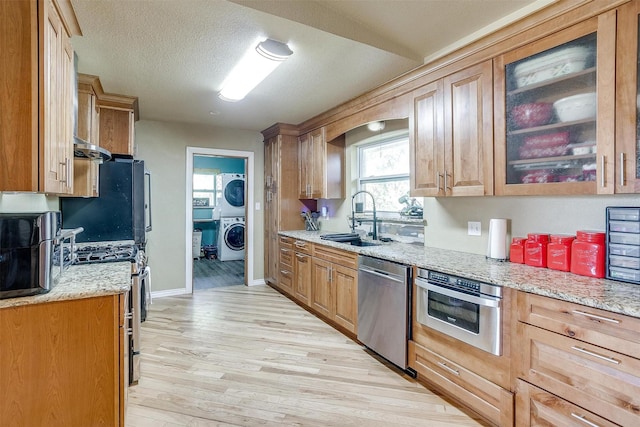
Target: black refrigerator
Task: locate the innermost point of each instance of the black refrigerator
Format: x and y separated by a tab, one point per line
121	212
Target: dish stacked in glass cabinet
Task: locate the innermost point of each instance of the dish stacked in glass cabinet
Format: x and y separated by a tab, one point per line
551	115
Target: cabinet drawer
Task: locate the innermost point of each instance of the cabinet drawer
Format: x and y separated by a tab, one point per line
286	242
336	256
606	382
285	280
489	400
286	257
303	247
598	327
536	407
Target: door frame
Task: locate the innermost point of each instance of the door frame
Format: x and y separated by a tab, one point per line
248	156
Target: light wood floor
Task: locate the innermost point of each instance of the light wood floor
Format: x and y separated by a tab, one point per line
213	273
247	356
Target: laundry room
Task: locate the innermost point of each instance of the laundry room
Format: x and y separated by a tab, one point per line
218	221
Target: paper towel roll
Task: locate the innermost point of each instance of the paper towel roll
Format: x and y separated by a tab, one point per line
497	247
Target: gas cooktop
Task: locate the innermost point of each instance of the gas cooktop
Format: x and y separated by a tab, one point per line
106	253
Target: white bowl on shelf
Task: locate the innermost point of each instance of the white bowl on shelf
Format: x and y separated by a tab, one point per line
576	107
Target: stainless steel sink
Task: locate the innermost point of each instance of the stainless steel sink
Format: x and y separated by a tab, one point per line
363	243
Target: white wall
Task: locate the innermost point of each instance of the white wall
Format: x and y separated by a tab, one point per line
162	146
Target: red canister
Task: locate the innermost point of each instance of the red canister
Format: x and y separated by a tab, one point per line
535	249
516	250
588	254
559	252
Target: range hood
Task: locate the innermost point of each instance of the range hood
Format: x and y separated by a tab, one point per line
81	148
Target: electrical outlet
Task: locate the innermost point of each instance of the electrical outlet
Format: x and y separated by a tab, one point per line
474	228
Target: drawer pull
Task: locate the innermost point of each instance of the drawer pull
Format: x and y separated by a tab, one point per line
301	244
284	250
453	371
301	257
285	272
599	356
593	316
584	420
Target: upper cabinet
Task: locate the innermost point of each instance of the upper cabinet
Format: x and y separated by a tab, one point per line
627	155
555	112
118	114
36	131
320	166
451	135
86	171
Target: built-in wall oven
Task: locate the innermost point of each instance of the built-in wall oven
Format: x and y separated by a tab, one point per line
465	309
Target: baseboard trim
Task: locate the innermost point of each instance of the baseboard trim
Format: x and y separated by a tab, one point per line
169	293
256	282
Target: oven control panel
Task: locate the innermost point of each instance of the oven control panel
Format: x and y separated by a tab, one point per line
461	283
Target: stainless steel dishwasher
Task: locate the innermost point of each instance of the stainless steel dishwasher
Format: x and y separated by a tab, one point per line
383	308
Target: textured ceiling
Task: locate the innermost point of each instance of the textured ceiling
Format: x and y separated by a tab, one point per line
174	54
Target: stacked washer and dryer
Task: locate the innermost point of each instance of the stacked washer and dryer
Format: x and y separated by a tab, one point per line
232	210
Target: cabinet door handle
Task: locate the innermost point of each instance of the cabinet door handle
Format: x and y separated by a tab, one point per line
438	176
622	172
594	316
602	169
446	186
584	420
592	354
453	371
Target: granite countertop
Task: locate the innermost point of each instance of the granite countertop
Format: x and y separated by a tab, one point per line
82	281
611	295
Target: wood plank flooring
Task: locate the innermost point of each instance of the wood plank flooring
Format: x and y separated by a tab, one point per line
247	356
213	273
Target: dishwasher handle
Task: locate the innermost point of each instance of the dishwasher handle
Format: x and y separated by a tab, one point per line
382	274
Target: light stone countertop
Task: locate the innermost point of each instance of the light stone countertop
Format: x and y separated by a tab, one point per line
611	295
82	281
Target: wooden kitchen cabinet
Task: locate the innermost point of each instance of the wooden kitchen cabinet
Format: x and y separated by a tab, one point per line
86	171
477	379
334	286
586	357
320	166
627	142
36	153
451	135
536	407
118	114
62	363
281	204
571	75
302	275
286	271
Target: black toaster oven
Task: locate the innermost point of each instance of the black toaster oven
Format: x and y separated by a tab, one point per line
28	253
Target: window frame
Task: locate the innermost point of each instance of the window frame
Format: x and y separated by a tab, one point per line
386	139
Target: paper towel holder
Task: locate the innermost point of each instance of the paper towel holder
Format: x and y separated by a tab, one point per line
497	246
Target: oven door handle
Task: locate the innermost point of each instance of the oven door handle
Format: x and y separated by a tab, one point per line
483	301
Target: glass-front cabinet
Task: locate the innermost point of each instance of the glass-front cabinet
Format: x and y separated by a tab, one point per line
627	179
556	132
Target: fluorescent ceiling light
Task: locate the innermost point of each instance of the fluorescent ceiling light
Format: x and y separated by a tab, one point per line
254	66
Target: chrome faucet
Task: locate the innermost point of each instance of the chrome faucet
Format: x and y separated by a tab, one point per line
353	214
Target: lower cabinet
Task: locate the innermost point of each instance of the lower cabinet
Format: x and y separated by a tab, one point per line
489	400
334	286
586	358
536	407
321	278
285	265
302	277
62	363
479	380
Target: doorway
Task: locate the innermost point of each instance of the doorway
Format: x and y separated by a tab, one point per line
219	223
